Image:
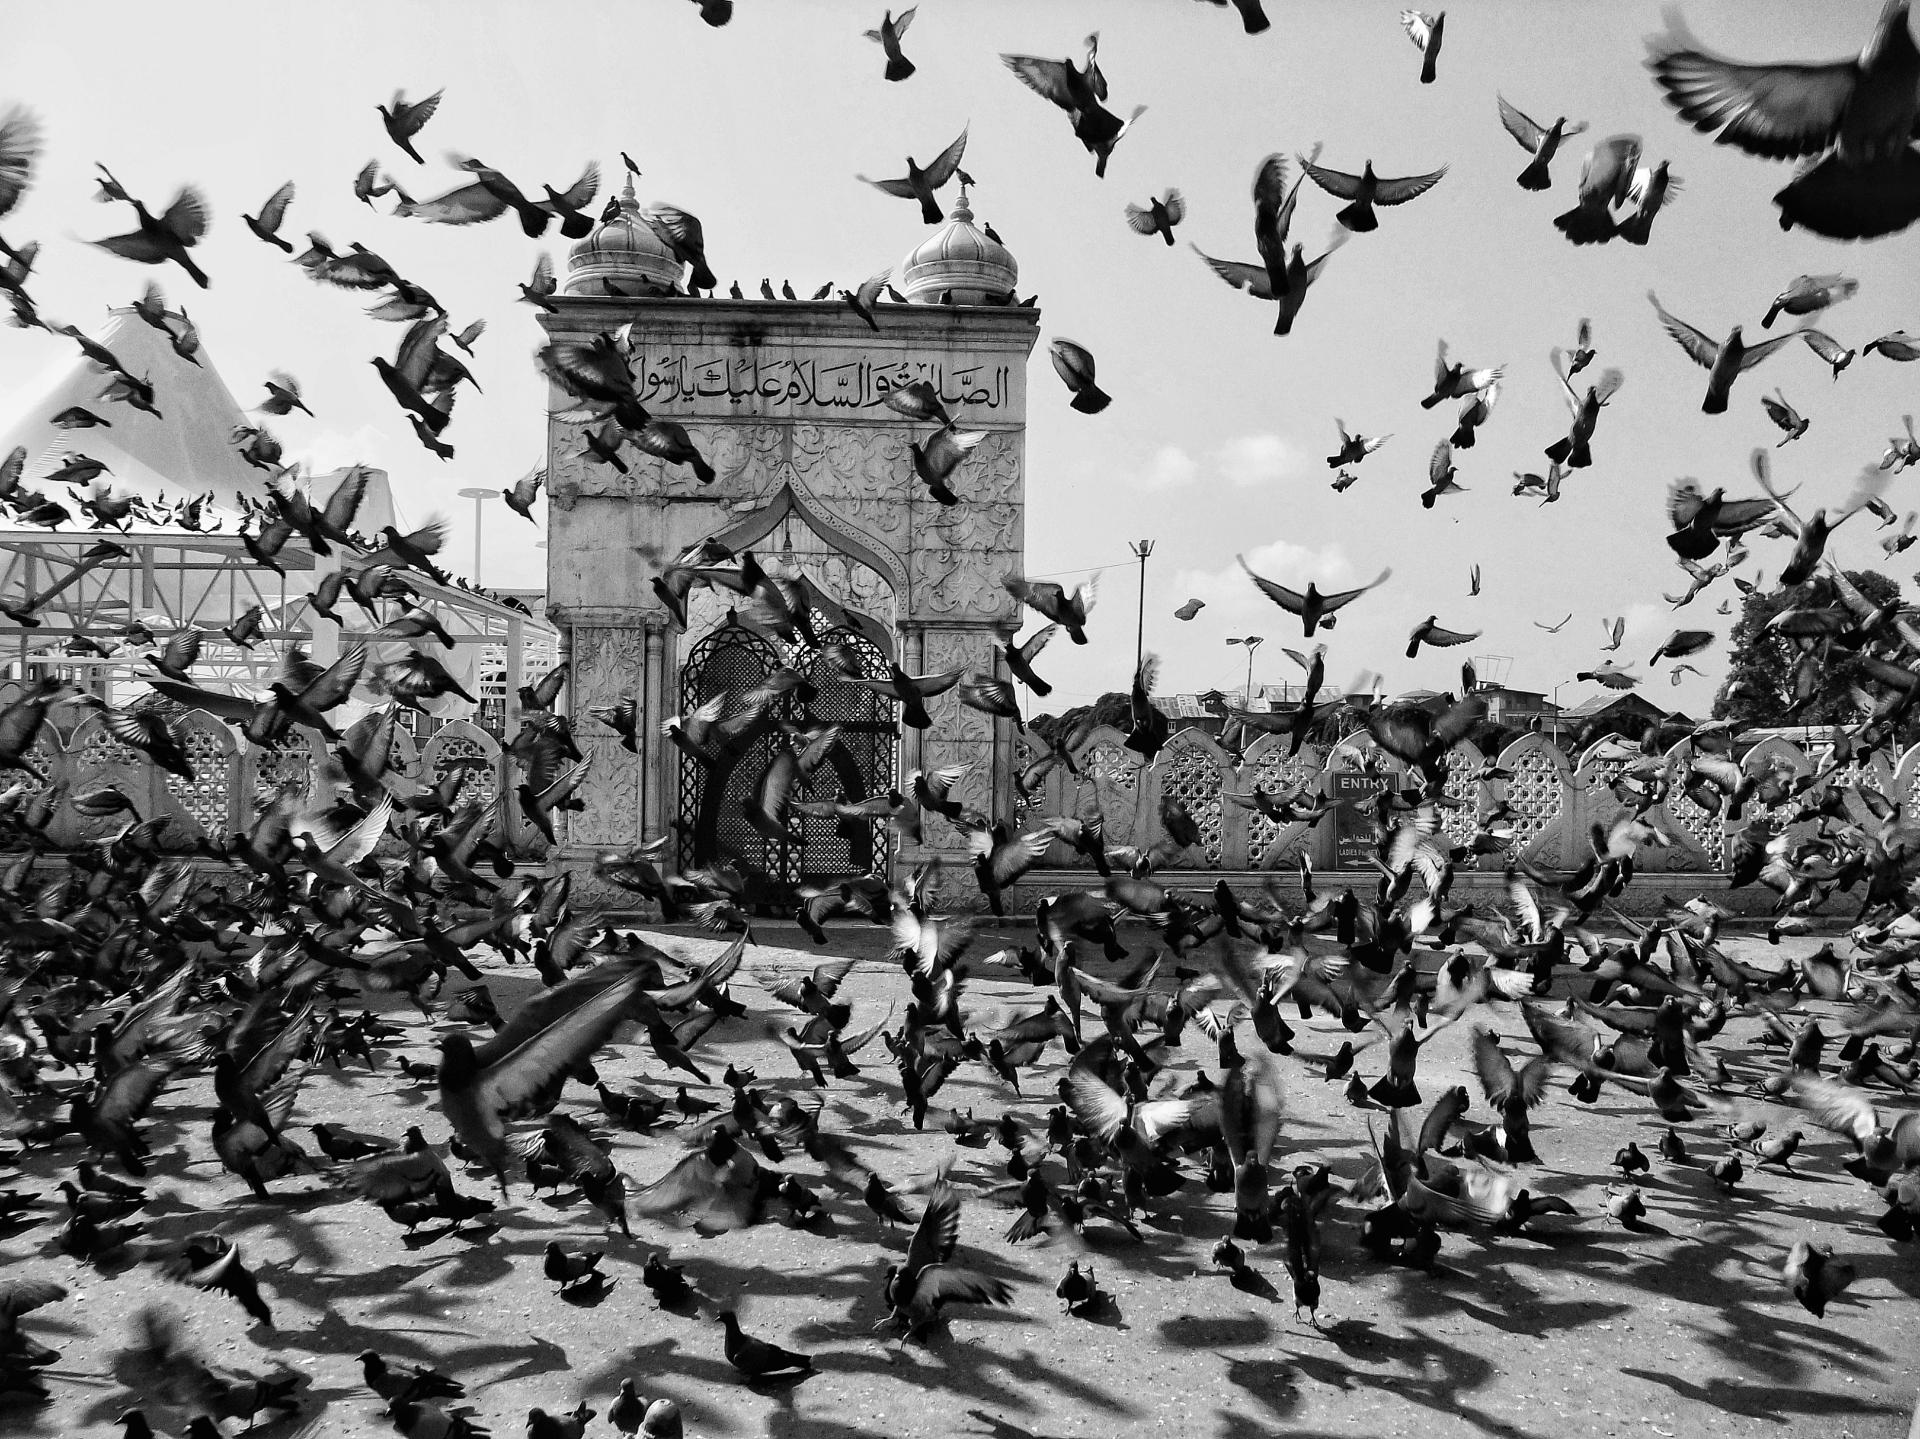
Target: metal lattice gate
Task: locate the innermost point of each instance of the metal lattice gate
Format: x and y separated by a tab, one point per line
862	761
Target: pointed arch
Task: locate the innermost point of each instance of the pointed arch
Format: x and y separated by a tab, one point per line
793	498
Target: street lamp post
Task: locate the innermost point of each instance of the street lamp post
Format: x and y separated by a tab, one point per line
479	494
1141	549
1252	642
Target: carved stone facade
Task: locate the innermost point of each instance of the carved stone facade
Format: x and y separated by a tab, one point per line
814	473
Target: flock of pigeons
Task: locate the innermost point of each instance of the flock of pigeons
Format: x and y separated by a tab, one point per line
138	984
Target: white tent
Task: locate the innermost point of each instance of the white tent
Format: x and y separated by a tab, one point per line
180	578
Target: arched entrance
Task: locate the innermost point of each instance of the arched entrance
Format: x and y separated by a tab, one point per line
863	761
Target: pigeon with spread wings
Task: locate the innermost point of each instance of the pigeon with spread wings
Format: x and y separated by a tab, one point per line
1430	632
1078	91
892	27
1855	116
1542	143
1724	361
1158	216
923	184
1366	190
1427	32
1051	601
916	1290
1354	448
1313	607
168	236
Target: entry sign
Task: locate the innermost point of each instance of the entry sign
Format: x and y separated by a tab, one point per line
1355	836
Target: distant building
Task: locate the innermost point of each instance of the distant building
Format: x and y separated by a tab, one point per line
1517	709
1602	709
539	653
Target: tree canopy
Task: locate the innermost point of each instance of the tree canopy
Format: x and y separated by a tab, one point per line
1760	686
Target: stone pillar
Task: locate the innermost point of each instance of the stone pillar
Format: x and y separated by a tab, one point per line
660	795
962	735
606	650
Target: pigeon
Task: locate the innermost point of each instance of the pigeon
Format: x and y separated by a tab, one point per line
1074	364
1854	118
917	1289
892	27
1605	178
1809	295
756	1358
1792	423
1724	361
1541	143
1426	32
1365	190
923	184
1080	93
404	119
1313	607
167	236
1158	216
1652	189
266	225
1353	448
1429	632
1815	1277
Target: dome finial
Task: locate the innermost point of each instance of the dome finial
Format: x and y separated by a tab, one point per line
958	261
628	201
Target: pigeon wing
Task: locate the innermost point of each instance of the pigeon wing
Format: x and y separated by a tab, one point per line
1043	77
1702	350
513	1082
1337	183
1242	276
1526	131
1777	111
946	162
1404	188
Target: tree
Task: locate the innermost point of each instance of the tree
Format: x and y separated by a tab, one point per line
1759	688
1112	708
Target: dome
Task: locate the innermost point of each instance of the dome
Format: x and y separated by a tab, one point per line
960	260
622	257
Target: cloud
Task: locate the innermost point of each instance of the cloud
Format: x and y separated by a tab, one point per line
1245	461
1257	460
332	449
1172	468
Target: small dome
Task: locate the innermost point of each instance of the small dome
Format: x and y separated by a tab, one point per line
622	257
960	260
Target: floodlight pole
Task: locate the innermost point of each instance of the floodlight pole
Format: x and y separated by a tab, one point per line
1141	549
479	495
1252	642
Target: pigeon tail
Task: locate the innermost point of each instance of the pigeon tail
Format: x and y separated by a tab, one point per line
1848	202
1358	217
1586	224
1394	1093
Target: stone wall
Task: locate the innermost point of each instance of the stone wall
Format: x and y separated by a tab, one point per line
1554	802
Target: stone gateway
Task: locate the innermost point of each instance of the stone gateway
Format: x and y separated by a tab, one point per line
813	473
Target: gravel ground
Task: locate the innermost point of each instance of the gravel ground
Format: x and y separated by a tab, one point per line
1575	1328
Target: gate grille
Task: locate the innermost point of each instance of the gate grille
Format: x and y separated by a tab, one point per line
862	761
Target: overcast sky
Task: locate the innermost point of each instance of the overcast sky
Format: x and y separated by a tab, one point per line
1216	440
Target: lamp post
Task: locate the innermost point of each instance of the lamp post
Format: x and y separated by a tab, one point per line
1554	700
479	494
1252	642
1141	549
